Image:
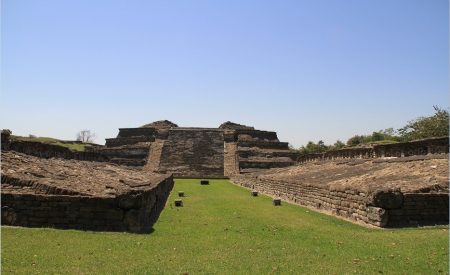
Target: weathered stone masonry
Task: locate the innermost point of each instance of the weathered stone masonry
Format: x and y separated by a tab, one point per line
367	191
232	148
193	152
428	146
80	195
391	185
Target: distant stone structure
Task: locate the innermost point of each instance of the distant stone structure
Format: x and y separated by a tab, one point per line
429	146
231	148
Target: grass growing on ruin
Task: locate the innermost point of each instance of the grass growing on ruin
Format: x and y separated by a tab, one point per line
48	140
222	229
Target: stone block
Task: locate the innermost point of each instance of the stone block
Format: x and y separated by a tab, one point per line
204	182
180	194
178	203
254	193
276	202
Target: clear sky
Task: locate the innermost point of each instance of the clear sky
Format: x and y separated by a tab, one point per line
310	70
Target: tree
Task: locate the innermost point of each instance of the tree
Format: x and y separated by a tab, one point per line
312	147
377	136
85	136
338	145
355	140
426	127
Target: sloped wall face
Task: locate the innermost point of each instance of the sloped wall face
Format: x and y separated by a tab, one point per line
193	153
132	212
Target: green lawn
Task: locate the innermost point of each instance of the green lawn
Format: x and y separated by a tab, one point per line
223	230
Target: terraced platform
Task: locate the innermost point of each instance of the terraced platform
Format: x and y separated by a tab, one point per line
384	192
86	195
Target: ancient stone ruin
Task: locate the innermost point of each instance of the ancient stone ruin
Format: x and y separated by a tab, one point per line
124	185
371	189
231	148
61	193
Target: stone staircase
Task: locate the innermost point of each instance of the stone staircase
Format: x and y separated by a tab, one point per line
260	150
130	155
231	149
231	160
154	156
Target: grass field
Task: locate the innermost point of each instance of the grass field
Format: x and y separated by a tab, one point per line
223	230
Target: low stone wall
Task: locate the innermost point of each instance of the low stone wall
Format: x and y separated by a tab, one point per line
381	208
113	142
403	149
248	134
413	148
420	209
43	150
132	132
129	155
264	144
134	212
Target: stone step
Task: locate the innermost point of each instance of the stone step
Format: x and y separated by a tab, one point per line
133	132
155	155
230	159
248	134
263	144
129	153
265	163
267	153
114	142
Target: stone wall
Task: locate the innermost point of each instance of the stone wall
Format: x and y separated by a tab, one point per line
131	212
119	141
247	134
44	150
199	152
135	154
193	152
61	193
403	149
261	150
383	208
413	148
134	132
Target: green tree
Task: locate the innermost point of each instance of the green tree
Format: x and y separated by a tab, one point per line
355	140
338	145
312	147
436	125
377	136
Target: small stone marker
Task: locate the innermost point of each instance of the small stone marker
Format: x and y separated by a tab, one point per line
254	193
204	182
178	203
180	194
277	202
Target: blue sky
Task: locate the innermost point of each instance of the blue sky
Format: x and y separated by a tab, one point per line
310	70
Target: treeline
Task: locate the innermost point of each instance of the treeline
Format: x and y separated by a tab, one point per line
436	125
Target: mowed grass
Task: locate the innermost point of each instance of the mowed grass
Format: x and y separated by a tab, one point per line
223	230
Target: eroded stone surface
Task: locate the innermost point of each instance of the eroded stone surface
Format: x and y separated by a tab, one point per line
78	177
80	194
429	175
409	191
198	152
